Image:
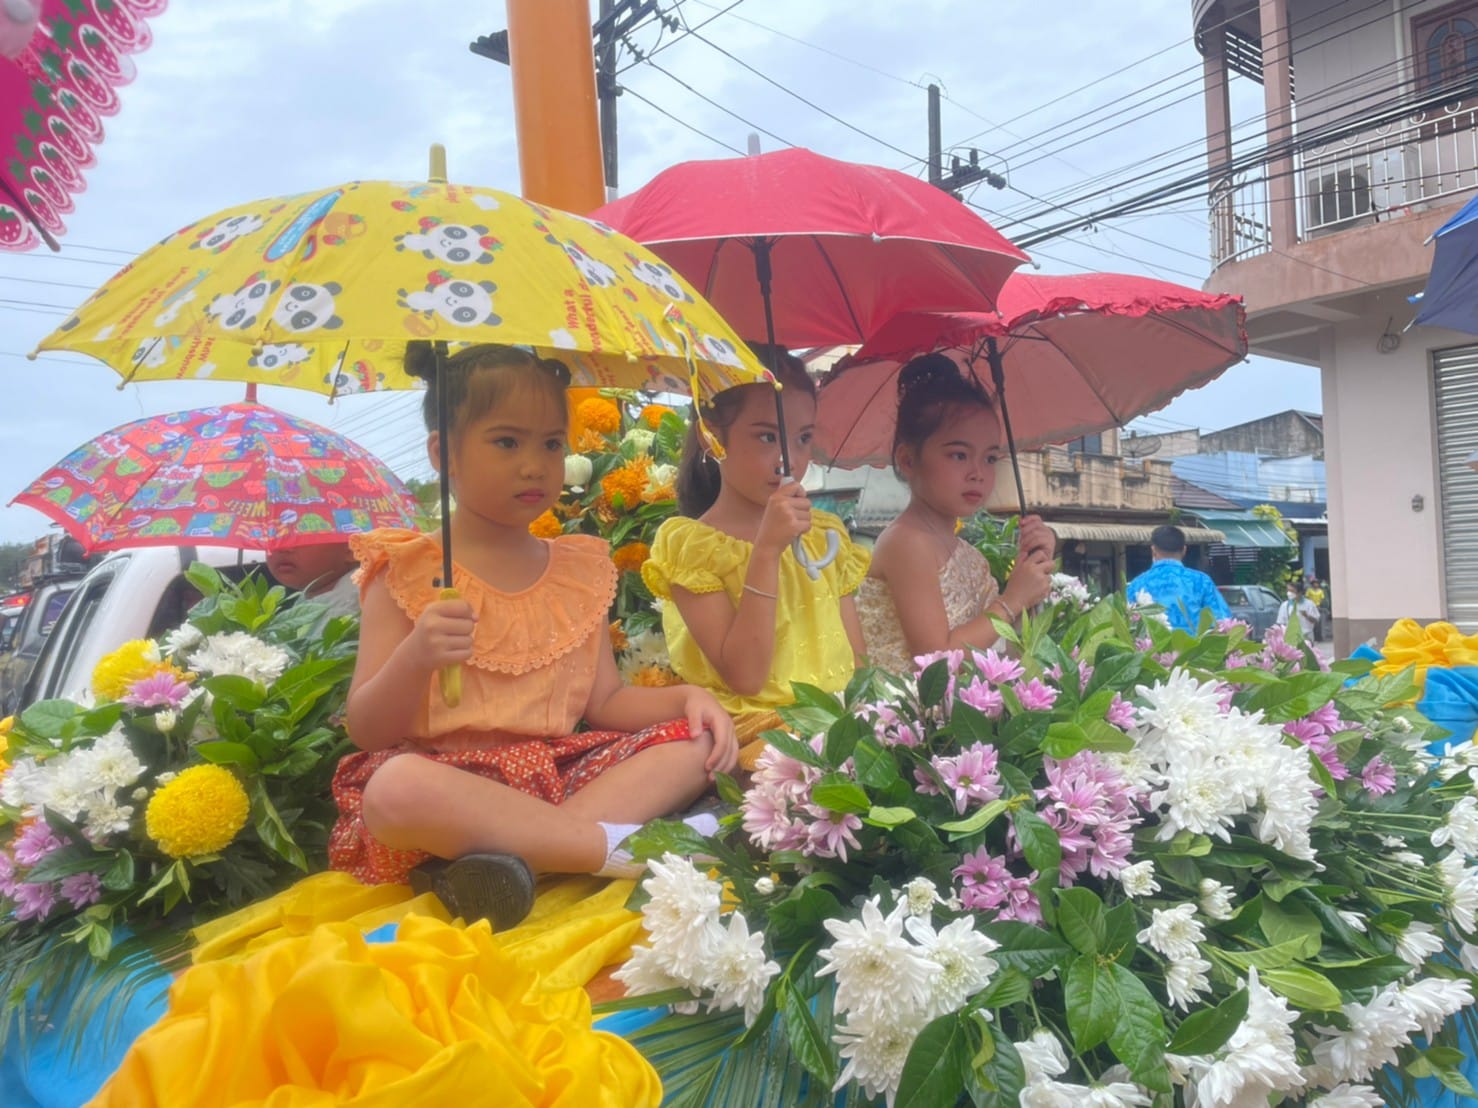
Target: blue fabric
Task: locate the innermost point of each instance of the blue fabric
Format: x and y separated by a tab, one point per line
1451	701
1182	592
1451	295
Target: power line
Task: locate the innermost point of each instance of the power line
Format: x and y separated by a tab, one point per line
641	57
681	122
709	100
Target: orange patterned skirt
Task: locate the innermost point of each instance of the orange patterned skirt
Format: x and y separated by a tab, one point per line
551	769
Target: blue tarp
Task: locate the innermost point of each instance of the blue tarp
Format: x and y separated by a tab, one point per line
1451	296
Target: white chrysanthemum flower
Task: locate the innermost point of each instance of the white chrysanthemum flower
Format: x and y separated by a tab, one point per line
1139	879
105	816
1042	1056
1377	1031
1136	767
921	895
1185	980
1460	757
1432	1000
647	972
165	719
66	785
1468	956
1181	706
1051	1094
1409	858
1418	943
764	886
1257	1060
879	973
1348	1096
661	476
682	915
1114	1094
643	649
962	954
1461	883
113	762
875	1046
1354	919
1174	932
237	654
183	638
20	785
1067	587
1216	899
641	438
1290	801
738	973
1461	827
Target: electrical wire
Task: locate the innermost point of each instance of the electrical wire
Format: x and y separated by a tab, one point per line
686	32
714	103
680	122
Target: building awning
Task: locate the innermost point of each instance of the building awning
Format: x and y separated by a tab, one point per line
1127	532
1246	529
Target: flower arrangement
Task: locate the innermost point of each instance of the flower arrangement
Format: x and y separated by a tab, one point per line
193	778
1120	865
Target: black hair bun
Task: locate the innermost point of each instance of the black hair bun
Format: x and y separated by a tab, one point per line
420	360
929	373
558	370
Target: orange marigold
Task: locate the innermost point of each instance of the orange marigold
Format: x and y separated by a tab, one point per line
547	526
652	415
655	677
628	481
619	641
629	558
587	441
598	414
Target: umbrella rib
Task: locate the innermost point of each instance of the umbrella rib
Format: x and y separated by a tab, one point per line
893	377
841	288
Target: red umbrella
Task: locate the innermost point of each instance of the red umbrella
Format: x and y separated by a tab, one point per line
240	475
811	251
59	71
1080	354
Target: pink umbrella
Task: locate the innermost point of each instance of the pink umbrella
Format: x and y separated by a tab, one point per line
60	67
1079	353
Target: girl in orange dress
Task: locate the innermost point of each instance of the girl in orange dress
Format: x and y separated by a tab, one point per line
501	784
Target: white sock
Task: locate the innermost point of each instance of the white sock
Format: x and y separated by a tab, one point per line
619	862
618	859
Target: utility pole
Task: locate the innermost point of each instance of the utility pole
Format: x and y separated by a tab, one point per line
615	20
962	174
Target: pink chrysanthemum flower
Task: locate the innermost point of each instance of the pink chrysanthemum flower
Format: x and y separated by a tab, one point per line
159	690
1379	776
1035	696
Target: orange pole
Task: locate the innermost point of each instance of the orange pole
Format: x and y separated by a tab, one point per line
554	107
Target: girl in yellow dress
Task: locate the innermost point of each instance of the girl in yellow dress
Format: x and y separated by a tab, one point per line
742	616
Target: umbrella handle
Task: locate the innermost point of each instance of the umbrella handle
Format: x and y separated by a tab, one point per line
813	569
449	678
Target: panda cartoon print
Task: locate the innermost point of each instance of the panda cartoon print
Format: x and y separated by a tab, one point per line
659	277
220	236
273	356
307	307
240	310
453	243
592	271
461	303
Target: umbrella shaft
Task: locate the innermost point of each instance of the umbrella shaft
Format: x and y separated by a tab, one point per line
998	376
444	454
764	274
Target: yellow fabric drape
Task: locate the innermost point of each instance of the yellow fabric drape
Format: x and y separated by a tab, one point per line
1440	644
287	1006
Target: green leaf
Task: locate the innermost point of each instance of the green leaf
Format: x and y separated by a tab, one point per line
1031	950
1080	918
1303	986
274	833
241	693
889	817
1092	999
120	874
1009	986
1064	740
728	790
1270	957
1454	1080
1188	844
977	821
841	738
1115	671
1039	842
660	837
1120	930
935	1069
224	753
793	748
874	766
1287	921
998	1084
798	917
205	579
47	718
807	1043
933	682
1138	1035
1208	1030
1295	696
837	792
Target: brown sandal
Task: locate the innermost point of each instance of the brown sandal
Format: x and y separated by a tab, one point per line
496	887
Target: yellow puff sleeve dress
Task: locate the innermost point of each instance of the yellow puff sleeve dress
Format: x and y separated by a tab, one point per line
811	643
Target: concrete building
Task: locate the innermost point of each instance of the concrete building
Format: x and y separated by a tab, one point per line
1284	435
1321	222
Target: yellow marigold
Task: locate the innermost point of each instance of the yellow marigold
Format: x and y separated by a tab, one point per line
586	441
652	415
628	481
598	414
547	526
133	661
619	642
655	677
629	558
199	812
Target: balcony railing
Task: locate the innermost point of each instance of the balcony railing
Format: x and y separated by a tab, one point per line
1358	179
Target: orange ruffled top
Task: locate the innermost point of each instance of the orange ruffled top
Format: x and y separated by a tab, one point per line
534	652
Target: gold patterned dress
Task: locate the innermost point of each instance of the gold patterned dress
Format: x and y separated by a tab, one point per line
965	583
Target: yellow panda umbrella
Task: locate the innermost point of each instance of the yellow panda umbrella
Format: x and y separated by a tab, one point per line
322	290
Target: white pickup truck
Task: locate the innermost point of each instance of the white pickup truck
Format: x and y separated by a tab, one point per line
131	594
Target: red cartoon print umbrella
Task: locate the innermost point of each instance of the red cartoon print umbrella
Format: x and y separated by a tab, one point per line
242	475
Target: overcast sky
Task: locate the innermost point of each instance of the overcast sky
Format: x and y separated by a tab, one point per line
241	101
